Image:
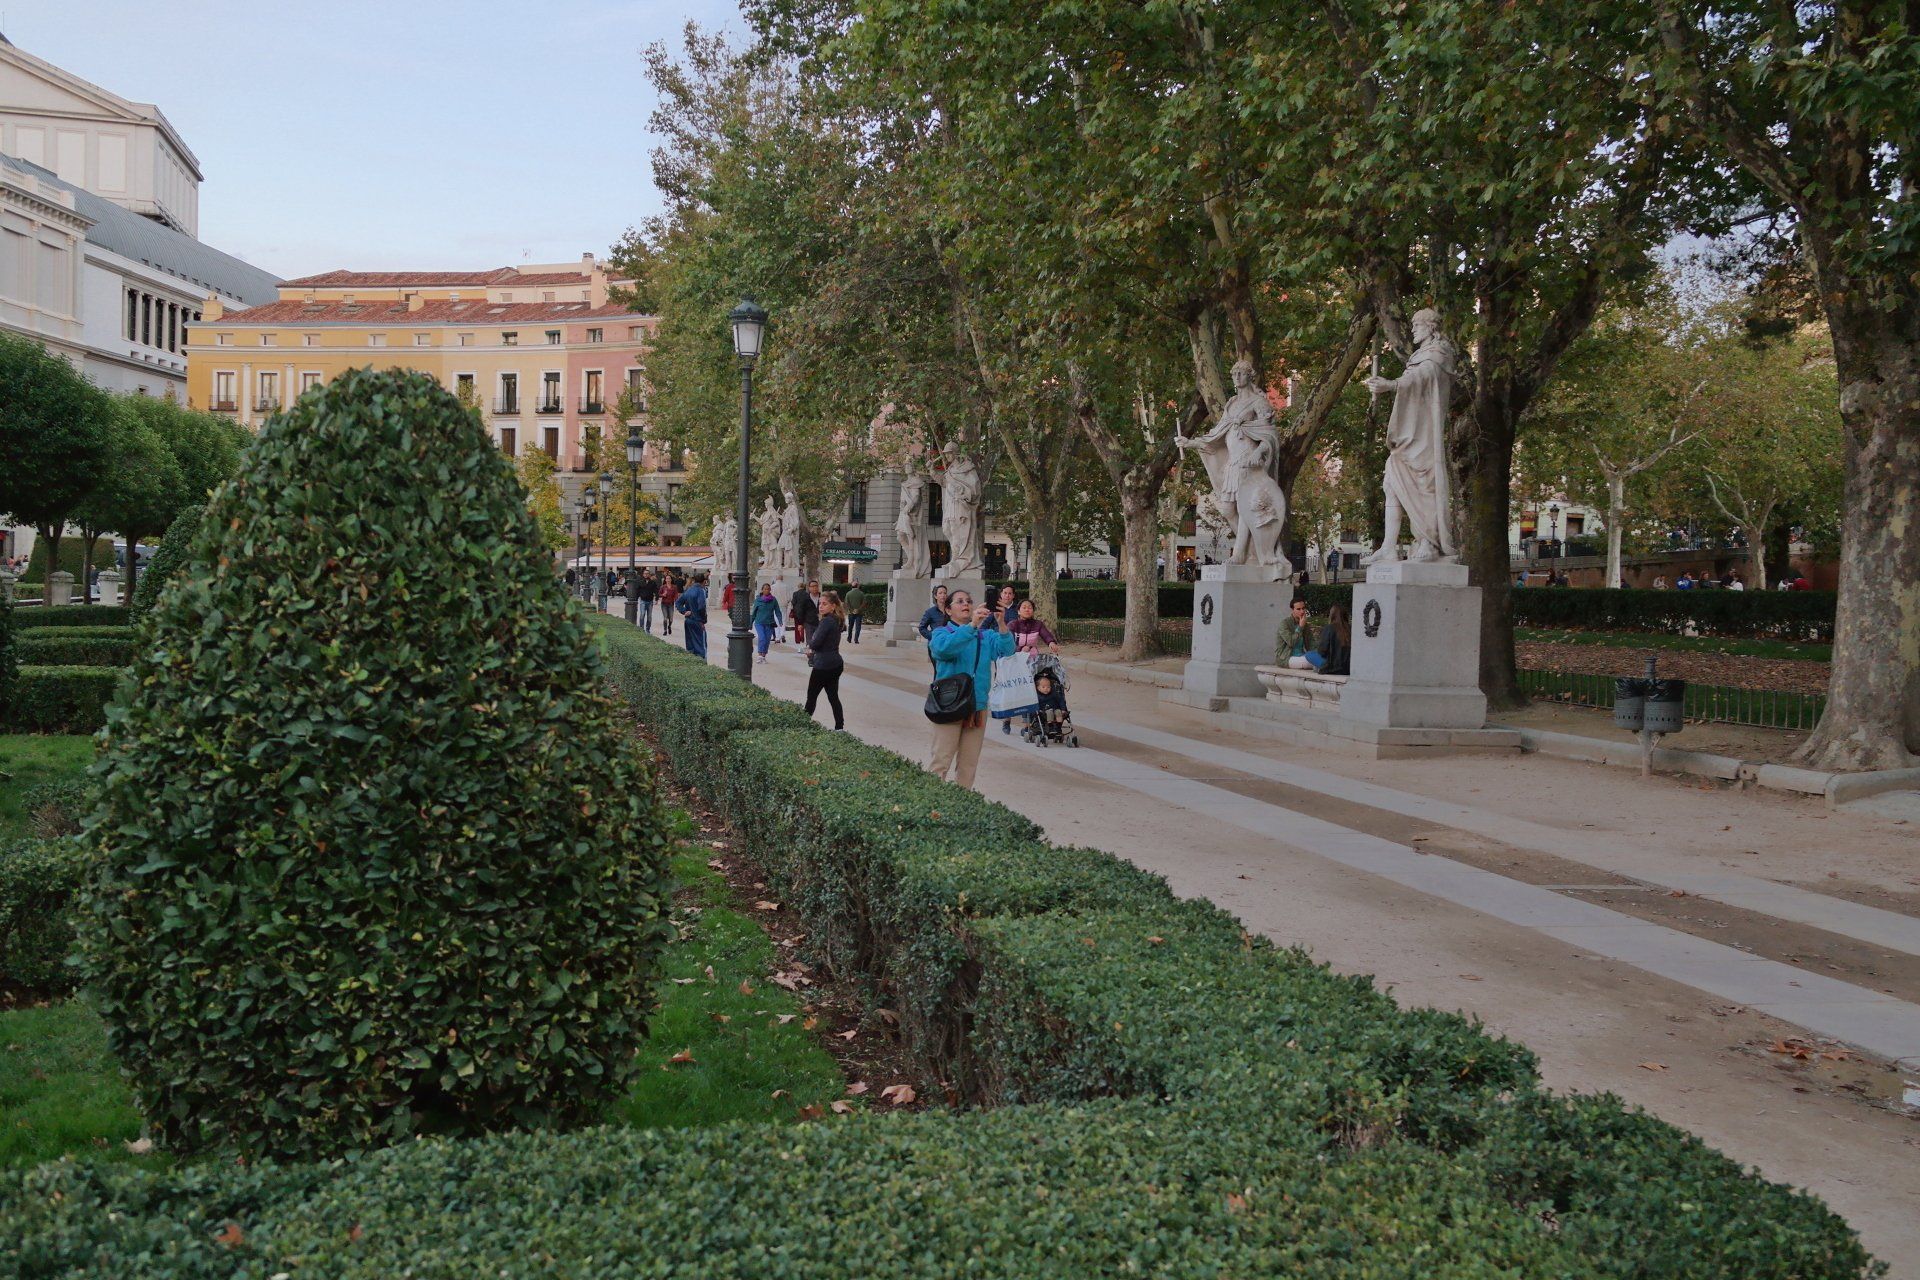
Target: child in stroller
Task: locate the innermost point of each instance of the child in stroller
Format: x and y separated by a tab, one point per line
1050	722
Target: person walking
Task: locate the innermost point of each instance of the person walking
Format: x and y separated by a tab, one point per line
649	592
856	602
669	593
823	657
802	612
1030	633
766	620
965	644
692	604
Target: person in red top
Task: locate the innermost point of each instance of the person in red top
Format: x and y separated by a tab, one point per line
726	598
669	592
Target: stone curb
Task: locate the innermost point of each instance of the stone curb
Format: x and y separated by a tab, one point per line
1132	675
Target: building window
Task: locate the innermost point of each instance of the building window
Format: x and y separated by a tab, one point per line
550	392
506	297
595	401
464	390
857	504
509	394
422	339
510	441
309	379
636	333
553	337
595	335
309	339
673	495
546	297
269	398
346	299
173	327
636	379
223	390
133	316
510	339
376	339
466	339
552	443
266	340
223	339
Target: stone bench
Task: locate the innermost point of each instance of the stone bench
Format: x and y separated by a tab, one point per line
1301	688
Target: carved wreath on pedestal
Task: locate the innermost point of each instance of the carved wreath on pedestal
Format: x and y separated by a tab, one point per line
1206	610
1370	619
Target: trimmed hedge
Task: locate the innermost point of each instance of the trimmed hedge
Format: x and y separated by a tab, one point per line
1203	1104
72	615
9	657
169	558
61	699
41	881
76	646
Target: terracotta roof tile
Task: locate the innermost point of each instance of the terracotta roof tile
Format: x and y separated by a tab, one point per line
394	314
392	279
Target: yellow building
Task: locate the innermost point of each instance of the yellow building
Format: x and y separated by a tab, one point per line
539	348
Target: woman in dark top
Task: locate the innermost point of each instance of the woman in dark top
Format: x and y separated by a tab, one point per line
823	655
1336	643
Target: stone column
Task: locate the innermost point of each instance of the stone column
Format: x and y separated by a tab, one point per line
59	587
109	584
1236	619
7	577
1416	649
907	598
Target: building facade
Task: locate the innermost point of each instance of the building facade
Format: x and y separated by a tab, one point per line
540	350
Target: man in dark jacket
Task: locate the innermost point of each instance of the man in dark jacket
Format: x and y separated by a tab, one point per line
803	611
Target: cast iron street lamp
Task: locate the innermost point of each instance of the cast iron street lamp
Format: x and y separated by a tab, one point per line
635	447
606	496
1553	524
749	326
584	505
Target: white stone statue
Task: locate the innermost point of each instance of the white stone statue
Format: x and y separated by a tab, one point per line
1416	481
907	526
769	520
960	512
791	525
726	531
1242	457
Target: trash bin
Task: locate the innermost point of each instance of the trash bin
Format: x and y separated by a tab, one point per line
1629	702
1666	706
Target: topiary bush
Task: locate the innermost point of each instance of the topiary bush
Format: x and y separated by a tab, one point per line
168	559
41	881
60	699
9	657
377	860
75	646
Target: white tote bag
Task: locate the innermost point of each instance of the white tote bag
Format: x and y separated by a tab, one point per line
1012	693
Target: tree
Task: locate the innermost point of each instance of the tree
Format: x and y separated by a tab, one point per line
377	856
536	471
1820	104
144	486
56	432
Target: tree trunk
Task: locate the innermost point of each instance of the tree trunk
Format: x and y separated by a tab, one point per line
1778	546
1142	530
88	541
1872	720
1756	555
1616	512
1488	481
50	534
1042	586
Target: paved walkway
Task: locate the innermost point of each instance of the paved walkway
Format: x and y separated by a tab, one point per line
1658	940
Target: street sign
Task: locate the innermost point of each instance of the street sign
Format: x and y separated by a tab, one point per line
848	553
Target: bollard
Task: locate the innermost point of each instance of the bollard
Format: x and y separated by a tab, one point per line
59	587
109	585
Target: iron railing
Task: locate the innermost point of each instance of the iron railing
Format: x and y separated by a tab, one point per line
1705	703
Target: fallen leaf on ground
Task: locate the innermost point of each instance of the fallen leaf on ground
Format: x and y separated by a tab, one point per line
848	1034
231	1236
1155	939
1653	1066
716	864
722	1018
810	1024
887	1016
1471	977
842	1107
899	1094
709	973
685	1055
1236	1203
812	1111
778	1093
357	1233
140	1146
857	1088
683	982
784	1018
746	987
766	906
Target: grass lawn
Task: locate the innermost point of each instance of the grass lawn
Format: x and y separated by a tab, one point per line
61	1094
1682	644
31	759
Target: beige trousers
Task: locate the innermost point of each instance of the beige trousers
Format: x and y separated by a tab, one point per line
956	748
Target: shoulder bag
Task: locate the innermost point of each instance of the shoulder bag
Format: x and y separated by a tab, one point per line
950	698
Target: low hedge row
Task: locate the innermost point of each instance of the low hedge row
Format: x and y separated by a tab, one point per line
1793	615
40	883
72	615
60	699
1200	1103
76	646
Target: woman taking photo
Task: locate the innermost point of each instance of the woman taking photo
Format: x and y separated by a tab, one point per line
965	646
766	619
823	655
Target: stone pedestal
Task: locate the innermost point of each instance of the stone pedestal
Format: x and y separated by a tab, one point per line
59	587
109	585
1416	649
1236	618
7	577
907	598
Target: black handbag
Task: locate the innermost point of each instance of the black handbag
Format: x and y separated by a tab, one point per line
950	698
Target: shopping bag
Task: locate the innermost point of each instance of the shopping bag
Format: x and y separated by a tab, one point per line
1012	692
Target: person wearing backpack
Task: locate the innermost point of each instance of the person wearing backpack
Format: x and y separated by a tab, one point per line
964	647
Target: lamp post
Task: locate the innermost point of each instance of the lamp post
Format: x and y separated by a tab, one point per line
1553	524
606	496
635	447
584	505
749	327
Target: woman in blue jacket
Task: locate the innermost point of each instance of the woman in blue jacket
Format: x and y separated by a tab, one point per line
935	616
964	643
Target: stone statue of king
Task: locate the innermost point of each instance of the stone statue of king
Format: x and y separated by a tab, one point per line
1416	481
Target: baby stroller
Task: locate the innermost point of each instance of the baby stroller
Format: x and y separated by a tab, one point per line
1050	723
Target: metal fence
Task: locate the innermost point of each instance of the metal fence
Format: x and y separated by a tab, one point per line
1705	703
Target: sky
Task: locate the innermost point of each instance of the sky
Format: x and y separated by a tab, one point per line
384	136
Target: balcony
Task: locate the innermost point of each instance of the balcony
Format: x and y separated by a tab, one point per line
506	404
590	405
225	406
580	463
267	404
549	406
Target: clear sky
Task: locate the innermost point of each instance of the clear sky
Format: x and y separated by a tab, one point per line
391	134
